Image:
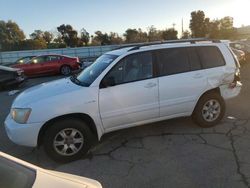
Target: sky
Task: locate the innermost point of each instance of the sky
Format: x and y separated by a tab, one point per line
115	15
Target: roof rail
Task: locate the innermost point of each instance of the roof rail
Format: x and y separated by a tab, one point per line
192	41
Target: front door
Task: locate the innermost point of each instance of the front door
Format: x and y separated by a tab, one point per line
131	93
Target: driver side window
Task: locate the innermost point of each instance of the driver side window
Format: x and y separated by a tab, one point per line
39	59
132	68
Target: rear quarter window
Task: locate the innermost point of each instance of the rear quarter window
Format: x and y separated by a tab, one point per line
210	56
194	59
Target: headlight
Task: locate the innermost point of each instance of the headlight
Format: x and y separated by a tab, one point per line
20	115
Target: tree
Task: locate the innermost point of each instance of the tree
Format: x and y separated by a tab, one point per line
154	34
37	34
134	36
226	28
115	38
48	37
199	24
69	35
85	36
214	29
169	34
33	44
186	35
10	35
130	35
101	38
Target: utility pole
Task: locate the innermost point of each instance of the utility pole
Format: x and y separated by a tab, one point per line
174	25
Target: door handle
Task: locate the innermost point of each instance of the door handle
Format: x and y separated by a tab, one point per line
197	75
150	85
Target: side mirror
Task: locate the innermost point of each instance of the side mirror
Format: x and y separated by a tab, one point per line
108	82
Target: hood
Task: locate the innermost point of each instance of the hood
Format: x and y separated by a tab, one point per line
46	178
45	90
8	68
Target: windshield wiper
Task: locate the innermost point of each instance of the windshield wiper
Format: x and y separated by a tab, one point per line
75	80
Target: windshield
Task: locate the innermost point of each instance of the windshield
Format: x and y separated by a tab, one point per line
88	75
14	175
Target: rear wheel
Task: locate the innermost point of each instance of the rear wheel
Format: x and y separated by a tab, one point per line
209	110
67	140
65	70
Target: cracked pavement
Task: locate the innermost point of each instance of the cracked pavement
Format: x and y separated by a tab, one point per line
173	153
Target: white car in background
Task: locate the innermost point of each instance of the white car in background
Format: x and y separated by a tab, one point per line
15	173
124	88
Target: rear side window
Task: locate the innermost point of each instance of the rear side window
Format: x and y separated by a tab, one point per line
210	57
194	59
172	61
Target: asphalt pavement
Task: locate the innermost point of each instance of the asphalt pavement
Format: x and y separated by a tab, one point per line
173	153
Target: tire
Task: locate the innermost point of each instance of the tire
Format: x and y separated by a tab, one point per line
209	110
65	70
59	140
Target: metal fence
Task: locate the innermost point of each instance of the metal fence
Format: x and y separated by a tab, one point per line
82	53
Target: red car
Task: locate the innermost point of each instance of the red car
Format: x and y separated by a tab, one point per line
49	64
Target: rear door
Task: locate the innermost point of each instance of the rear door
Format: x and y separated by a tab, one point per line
181	80
52	64
134	95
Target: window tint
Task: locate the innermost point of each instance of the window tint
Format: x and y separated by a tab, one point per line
194	60
132	68
210	57
172	61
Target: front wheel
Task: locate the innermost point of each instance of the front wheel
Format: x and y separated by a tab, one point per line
67	140
209	110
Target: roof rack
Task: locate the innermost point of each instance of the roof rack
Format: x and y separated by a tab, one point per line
192	41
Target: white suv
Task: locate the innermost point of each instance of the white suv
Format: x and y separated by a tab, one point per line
127	87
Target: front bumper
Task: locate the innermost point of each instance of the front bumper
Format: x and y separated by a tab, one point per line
17	81
22	134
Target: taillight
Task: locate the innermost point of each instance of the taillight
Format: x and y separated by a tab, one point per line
236	79
232	85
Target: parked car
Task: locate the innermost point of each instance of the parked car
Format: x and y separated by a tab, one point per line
11	77
242	46
241	56
49	64
16	173
125	88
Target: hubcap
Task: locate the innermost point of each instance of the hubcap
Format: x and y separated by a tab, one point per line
68	142
211	110
65	70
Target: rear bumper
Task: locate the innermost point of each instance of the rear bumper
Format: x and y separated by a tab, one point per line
227	92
